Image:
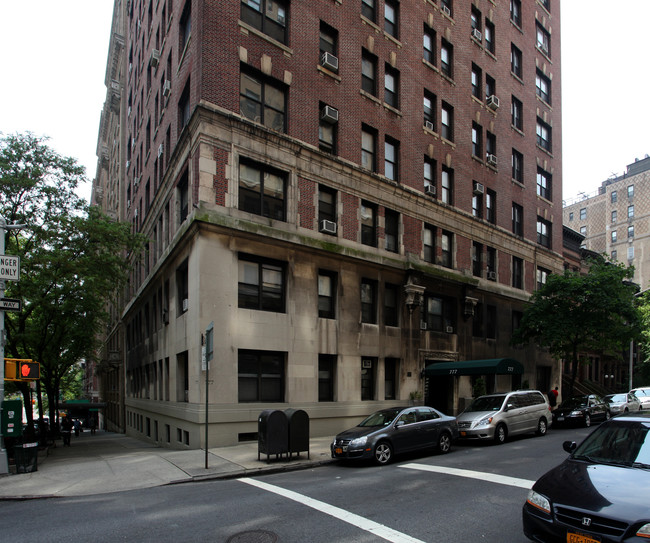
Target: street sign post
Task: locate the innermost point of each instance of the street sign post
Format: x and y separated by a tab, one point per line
10	267
10	304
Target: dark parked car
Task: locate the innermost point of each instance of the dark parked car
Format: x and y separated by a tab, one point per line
596	495
394	431
581	411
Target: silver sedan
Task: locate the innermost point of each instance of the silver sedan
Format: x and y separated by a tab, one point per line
622	403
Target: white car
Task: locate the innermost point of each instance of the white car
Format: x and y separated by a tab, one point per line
643	393
622	403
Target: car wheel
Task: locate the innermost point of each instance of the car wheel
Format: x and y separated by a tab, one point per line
444	443
587	420
542	427
383	453
500	434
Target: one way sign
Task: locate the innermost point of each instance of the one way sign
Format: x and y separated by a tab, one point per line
9	304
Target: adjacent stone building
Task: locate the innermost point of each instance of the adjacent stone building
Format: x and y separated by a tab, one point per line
344	192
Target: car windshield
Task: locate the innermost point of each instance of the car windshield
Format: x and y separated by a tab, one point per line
623	443
381	418
641	392
579	401
616	398
487	403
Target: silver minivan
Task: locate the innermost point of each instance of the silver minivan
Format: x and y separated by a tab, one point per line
497	416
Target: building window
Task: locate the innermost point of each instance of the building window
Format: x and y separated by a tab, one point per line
429	176
429	110
391	86
630	253
326	204
446	246
543	135
329	41
515	61
491	322
517	166
391	17
447	121
475	19
517	272
583	213
429	243
369	10
478	321
477	84
543	86
261	190
542	276
261	284
614	254
368	301
391	305
515	12
570	216
260	376
447	186
491	206
491	148
368	224
477	259
326	373
630	212
369	73
490	86
439	313
630	191
262	100
477	140
182	285
630	232
369	148
327	294
446	7
368	369
267	16
429	45
477	205
614	216
614	197
185	26
491	263
583	230
543	40
489	36
517	220
614	236
544	183
517	109
391	159
447	58
184	107
391	366
391	231
183	197
543	232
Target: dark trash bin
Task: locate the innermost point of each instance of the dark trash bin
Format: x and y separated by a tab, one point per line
272	433
298	421
26	457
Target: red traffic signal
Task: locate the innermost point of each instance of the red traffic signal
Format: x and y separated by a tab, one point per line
29	370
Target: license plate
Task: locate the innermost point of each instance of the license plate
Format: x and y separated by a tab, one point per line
579	538
463	434
338	450
560	419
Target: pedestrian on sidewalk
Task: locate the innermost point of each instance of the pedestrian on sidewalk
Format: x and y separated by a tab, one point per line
77	427
66	430
552	397
93	425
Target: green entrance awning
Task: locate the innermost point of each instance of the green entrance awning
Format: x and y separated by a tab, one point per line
492	366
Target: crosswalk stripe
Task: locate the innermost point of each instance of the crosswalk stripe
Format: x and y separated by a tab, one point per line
481	475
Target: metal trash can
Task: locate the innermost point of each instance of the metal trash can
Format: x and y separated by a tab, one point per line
298	431
272	433
26	457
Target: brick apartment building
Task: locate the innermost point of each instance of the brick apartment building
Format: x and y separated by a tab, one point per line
348	191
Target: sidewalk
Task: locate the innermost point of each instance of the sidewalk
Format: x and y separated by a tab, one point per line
110	462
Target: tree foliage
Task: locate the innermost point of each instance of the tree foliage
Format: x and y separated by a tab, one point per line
72	260
575	313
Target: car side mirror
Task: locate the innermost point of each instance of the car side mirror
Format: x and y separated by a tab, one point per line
509	406
569	446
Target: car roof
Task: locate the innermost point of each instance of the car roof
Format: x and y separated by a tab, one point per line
639	416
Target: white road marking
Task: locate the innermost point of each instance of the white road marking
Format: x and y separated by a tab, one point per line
368	525
490	477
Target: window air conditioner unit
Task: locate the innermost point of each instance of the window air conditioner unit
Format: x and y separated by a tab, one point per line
329	61
476	34
423	325
492	160
493	102
155	58
161	149
135	213
185	304
167	88
329	114
492	275
328	227
446	10
449	329
478	188
128	204
428	124
128	164
430	190
132	143
136	182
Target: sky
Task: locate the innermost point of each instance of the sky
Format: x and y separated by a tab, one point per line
54	55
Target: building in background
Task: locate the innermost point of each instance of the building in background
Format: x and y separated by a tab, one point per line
349	192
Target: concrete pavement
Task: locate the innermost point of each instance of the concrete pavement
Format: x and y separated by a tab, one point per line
110	462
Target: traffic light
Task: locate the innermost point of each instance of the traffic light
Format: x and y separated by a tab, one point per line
10	370
29	370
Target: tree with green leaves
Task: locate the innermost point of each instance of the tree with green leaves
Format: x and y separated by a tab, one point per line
642	377
72	261
575	313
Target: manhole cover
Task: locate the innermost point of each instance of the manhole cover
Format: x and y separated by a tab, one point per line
254	536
